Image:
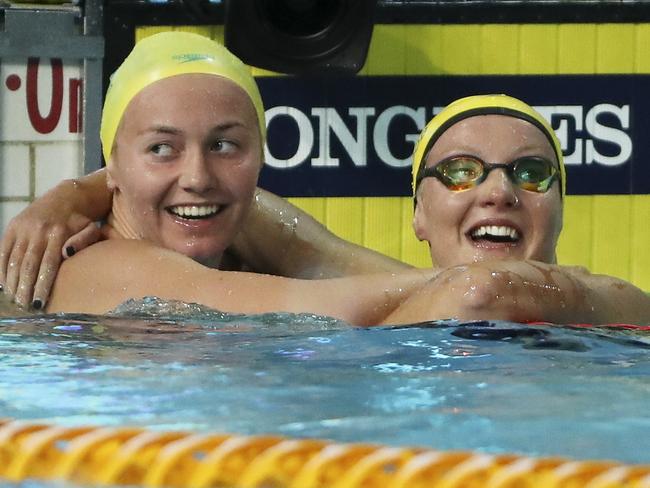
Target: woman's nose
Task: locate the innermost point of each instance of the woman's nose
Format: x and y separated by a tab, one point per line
195	174
498	190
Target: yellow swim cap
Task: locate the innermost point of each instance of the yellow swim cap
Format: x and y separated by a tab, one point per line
165	55
464	108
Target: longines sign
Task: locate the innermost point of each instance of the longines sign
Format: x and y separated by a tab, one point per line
354	136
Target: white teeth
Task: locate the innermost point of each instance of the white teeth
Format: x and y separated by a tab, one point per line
194	210
496	230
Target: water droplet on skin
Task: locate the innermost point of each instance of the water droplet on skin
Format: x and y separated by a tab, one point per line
471	291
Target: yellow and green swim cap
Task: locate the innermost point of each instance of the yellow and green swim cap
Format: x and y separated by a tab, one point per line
165	55
464	108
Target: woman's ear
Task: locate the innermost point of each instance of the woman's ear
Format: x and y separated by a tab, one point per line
110	180
419	226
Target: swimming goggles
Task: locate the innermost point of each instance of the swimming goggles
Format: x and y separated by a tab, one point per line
459	173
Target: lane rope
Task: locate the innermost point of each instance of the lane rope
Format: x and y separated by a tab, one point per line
119	456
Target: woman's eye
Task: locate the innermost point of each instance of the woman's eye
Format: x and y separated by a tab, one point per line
162	150
462	169
529	175
533	174
464	173
223	146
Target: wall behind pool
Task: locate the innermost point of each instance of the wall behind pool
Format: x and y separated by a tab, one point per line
590	80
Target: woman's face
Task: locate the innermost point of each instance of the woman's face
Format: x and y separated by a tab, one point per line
185	165
496	219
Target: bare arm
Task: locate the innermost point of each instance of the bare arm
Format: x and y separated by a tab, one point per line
522	291
31	248
281	239
104	275
62	221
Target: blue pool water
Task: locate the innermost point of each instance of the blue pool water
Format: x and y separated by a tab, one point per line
488	386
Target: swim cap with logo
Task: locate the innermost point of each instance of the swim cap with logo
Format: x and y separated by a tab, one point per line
165	55
464	108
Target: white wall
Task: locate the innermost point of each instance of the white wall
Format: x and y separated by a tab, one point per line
40	139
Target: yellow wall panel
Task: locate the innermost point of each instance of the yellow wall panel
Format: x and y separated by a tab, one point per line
642	48
576	48
382	225
424	50
345	217
640	241
575	245
387	51
538	49
611	235
618	56
461	49
499	49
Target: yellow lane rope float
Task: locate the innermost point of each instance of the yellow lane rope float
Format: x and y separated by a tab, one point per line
139	457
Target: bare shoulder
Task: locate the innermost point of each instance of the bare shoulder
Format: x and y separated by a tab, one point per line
103	275
114	256
106	274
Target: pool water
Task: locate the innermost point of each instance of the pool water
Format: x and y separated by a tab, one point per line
488	386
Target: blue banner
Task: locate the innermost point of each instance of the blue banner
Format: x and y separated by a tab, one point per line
354	136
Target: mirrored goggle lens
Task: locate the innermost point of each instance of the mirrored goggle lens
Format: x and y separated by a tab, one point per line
533	174
461	173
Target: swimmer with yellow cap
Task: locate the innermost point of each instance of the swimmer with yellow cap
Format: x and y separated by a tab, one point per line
484	170
182	132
